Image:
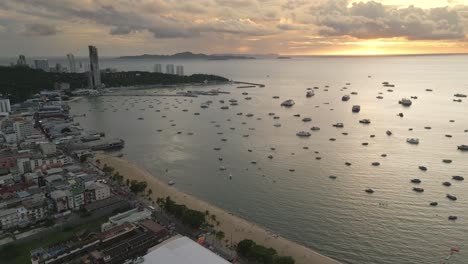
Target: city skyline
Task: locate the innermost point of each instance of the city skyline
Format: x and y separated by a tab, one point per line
290	27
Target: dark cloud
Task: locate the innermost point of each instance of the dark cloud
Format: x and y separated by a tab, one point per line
40	30
374	20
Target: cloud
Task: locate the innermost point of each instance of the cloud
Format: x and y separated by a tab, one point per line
40	30
293	4
375	20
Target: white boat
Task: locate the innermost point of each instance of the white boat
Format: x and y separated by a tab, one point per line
222	168
303	134
288	103
338	125
356	108
405	102
310	94
277	125
345	98
171	183
413	141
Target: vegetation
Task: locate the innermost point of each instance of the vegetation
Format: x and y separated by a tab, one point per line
20	253
137	187
260	254
21	83
192	218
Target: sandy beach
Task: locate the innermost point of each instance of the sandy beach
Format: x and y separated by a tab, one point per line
229	223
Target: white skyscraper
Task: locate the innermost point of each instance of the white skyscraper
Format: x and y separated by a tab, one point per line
180	70
42	65
71	62
5	105
170	68
158	68
94	72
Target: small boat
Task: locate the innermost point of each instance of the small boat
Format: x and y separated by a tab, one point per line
375	163
292	170
310	94
448	184
434	203
365	143
463	147
171	183
457	100
369	190
306	119
276	97
225	107
448	136
345	98
413	141
277	125
354	93
340	125
389	133
458	178
271	114
288	103
356	108
452	217
204	106
423	168
447	161
303	134
416	181
222	168
332	177
297	115
347	163
400	114
379	97
405	102
270	156
417	189
140	118
460	95
315	128
365	121
428	90
452	197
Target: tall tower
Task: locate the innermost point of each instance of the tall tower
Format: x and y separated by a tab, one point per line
180	70
21	61
169	68
158	68
71	62
94	72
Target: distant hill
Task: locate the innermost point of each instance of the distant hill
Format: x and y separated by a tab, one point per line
189	56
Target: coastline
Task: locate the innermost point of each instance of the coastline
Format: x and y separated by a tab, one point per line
229	223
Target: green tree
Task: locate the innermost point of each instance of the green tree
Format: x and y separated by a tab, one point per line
220	235
245	246
284	260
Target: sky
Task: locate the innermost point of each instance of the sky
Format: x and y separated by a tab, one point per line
288	27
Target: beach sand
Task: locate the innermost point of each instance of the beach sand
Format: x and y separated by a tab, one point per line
229	223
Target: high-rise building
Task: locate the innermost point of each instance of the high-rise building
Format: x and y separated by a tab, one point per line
158	68
94	72
42	65
71	62
21	61
180	70
58	67
5	105
170	68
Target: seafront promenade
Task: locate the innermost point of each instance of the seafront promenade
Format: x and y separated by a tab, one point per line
230	224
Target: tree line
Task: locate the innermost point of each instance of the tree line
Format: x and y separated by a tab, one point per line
257	253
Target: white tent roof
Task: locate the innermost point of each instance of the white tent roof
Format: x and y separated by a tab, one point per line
182	250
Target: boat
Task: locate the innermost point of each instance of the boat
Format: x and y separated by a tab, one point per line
140	118
452	197
460	95
389	133
225	107
356	108
463	147
458	178
453	217
340	125
288	103
405	102
332	177
306	119
303	134
310	94
400	115
277	125
375	163
297	115
204	106
249	115
222	168
448	184
434	203
379	97
232	100
423	168
171	183
447	161
369	190
417	189
345	98
457	100
365	121
270	156
314	128
276	97
271	114
413	141
416	181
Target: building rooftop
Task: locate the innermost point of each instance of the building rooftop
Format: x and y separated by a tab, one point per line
182	250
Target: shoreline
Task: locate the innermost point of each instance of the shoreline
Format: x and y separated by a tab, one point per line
229	223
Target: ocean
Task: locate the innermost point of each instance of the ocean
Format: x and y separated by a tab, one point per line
335	217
